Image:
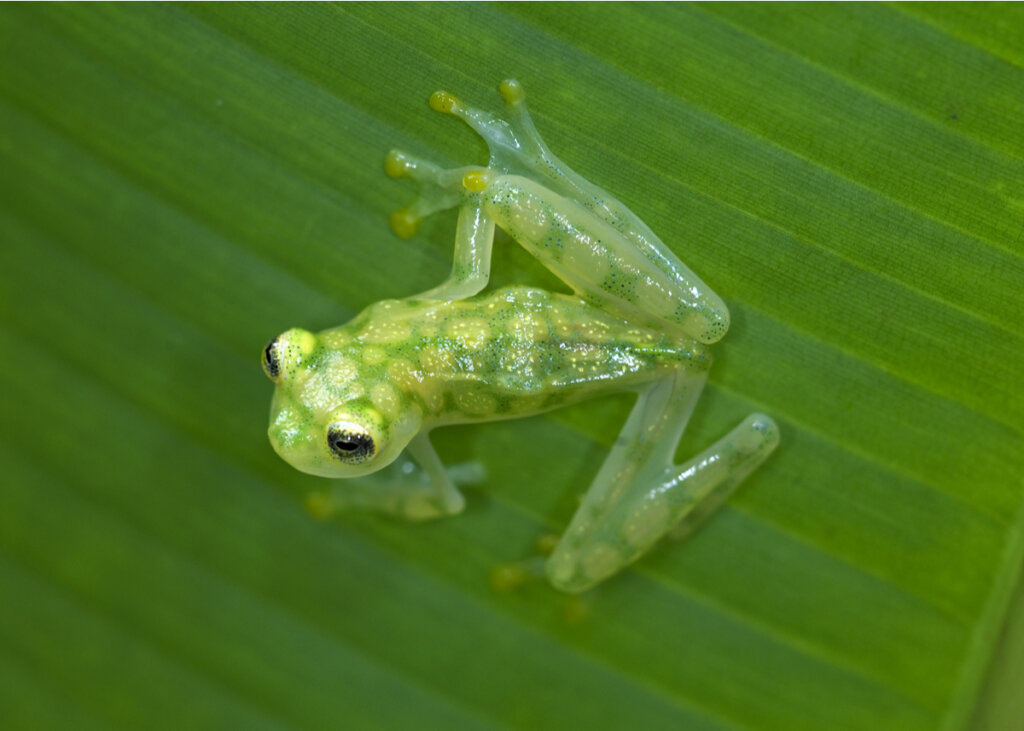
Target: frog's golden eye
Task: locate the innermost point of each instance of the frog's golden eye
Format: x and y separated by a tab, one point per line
350	442
272	361
284	355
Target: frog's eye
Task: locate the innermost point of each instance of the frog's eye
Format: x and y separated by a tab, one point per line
350	442
272	360
287	352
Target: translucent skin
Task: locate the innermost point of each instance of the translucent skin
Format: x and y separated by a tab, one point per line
349	400
515	352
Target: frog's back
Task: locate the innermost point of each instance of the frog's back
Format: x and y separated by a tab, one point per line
516	351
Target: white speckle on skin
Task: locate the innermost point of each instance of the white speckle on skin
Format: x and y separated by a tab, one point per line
475	403
385	397
530	218
436	361
470	332
340	371
600	560
528	327
649	519
373	355
385	332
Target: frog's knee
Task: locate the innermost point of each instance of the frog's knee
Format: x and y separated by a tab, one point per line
716	324
760	435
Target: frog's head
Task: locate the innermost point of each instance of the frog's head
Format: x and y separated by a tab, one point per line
321	420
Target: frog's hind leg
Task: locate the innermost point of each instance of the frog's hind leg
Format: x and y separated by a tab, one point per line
639	496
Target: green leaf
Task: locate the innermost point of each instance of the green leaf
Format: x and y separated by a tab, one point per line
180	183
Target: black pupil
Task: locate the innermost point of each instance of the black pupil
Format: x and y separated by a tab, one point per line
350	445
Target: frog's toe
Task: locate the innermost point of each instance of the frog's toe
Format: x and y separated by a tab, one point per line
400	164
508	577
441	189
512	92
445	102
405	223
397	164
511	577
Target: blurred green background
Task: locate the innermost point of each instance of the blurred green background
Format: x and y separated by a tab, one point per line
180	183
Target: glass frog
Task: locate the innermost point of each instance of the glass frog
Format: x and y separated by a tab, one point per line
358	401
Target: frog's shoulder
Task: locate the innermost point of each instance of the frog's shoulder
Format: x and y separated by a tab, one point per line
520	301
554	307
520	296
502	300
387	309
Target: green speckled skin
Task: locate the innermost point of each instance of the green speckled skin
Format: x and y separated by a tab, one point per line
350	400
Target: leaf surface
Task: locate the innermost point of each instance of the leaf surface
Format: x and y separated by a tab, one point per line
180	183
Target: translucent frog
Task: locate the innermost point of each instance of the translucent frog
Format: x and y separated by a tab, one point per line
358	401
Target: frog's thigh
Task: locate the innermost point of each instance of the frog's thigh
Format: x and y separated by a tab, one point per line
652	503
637	278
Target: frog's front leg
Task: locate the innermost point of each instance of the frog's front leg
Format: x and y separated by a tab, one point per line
414	487
474	235
639	496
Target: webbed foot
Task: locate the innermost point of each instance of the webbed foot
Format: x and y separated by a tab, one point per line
514	144
403	489
507	578
441	189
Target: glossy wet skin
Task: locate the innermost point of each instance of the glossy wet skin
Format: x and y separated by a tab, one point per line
349	401
406	365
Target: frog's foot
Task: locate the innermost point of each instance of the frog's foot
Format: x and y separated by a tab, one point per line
507	578
605	537
402	489
515	148
441	189
416	504
514	144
